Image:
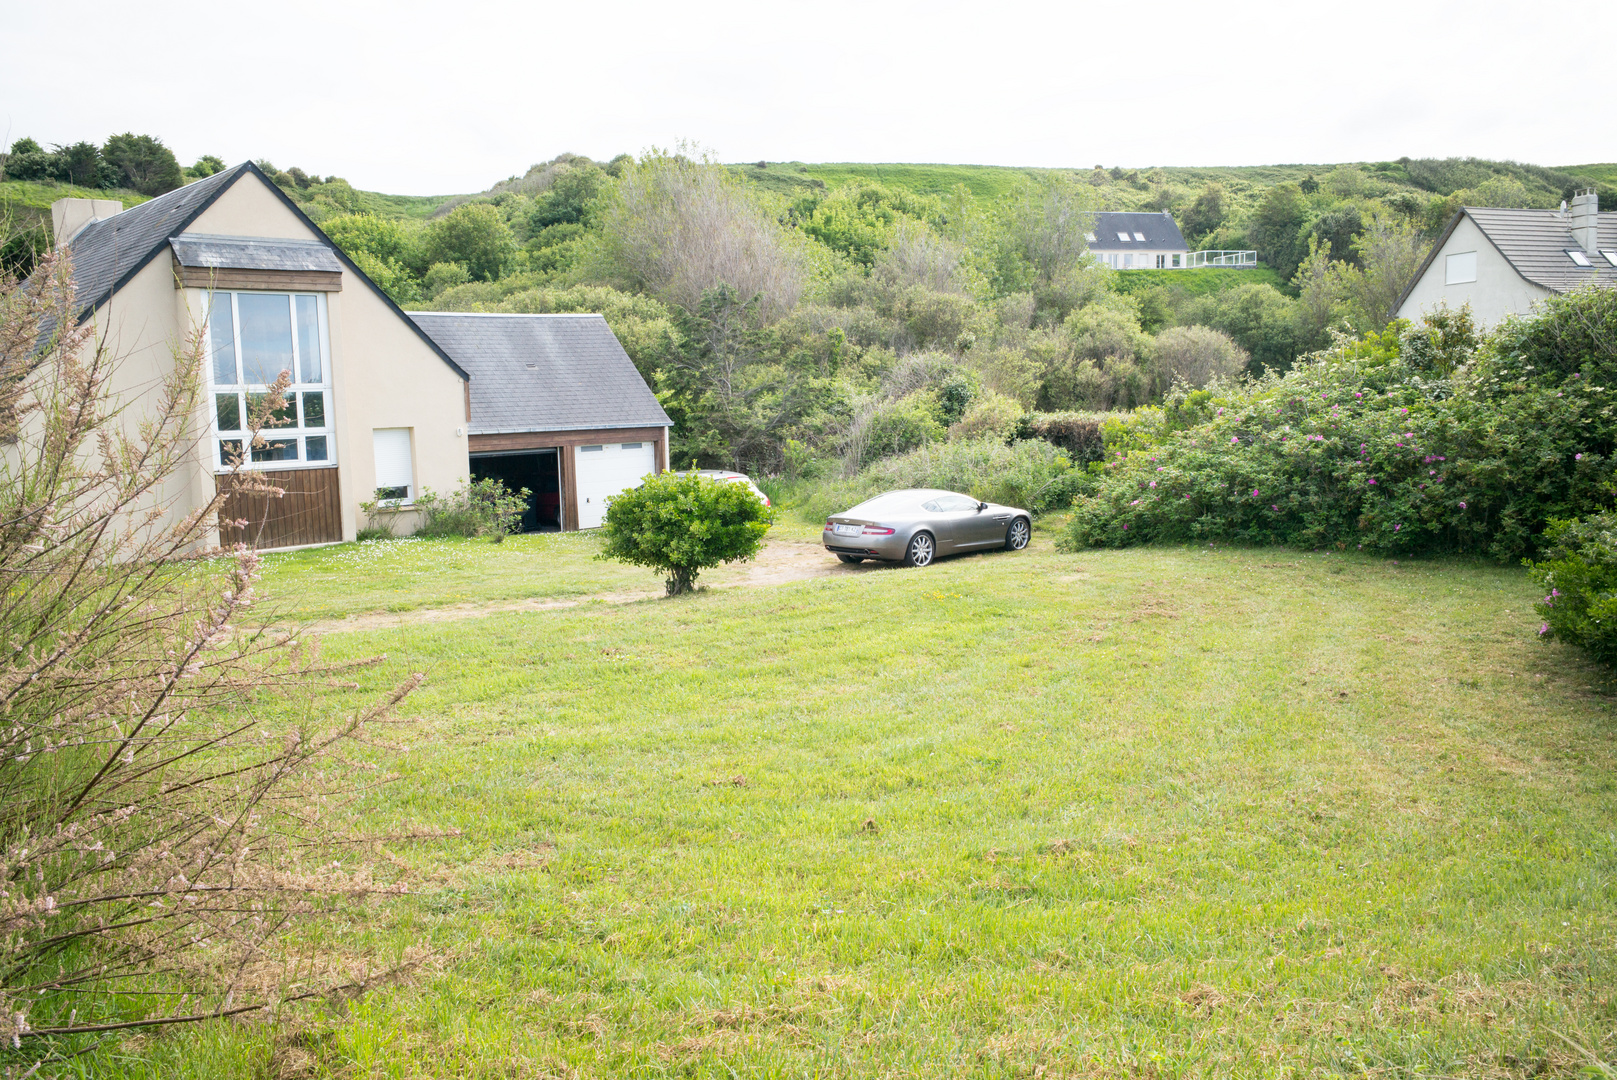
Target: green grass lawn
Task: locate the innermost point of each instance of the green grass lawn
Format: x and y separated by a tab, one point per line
1167	812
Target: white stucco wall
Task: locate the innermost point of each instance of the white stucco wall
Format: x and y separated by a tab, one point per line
383	375
1498	291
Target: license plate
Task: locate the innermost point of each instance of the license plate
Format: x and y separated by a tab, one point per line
849	530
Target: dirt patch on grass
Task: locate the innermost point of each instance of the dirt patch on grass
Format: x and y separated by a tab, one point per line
779	562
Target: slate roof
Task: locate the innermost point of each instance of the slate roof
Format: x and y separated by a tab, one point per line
1161	233
1536	242
252	253
544	372
109	252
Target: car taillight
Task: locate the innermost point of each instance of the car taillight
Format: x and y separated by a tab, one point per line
828	524
877	530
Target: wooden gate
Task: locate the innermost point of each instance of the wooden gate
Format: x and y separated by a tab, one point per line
308	512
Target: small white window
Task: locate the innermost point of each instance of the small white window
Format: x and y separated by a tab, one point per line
629	446
1128	261
1176	259
1089	237
1139	237
590	449
1577	256
1611	257
393	473
1460	268
1123	236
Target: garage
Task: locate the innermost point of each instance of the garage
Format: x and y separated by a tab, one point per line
537	471
604	470
555	406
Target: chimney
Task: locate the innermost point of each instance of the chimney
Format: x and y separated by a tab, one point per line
70	216
1586	220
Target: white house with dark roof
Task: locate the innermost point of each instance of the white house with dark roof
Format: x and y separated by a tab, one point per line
378	409
1130	241
557	407
1502	261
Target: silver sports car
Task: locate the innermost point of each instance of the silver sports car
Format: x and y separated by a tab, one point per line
914	527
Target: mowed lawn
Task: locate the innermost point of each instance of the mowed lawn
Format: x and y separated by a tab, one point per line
1162	812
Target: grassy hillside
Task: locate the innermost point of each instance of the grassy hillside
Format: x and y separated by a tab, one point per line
29	201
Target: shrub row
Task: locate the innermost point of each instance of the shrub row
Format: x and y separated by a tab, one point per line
1419	439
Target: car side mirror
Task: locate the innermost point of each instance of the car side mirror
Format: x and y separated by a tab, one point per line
982	506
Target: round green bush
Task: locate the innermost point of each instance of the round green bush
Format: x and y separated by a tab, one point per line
682	524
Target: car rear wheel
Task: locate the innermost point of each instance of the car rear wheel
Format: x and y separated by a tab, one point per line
851	558
1016	537
921	549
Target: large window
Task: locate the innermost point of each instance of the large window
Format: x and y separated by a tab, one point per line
252	338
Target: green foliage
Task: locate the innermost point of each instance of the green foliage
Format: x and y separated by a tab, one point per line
681	525
1032	474
206	165
476	508
898	426
1579	568
1370	447
1278	229
475	236
1256	316
444	275
1078	434
859	220
143	163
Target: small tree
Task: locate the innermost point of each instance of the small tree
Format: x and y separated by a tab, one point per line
682	524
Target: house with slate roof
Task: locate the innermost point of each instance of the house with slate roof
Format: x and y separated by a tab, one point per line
1502	261
377	410
1138	241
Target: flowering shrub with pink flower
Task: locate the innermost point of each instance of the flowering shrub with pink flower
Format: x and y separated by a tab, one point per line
1420	439
1579	576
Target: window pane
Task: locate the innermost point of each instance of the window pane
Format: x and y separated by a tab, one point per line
284	417
309	339
276	450
314	409
222	329
315	447
385	493
228	409
229	451
266	336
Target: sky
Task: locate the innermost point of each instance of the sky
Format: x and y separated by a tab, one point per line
435	98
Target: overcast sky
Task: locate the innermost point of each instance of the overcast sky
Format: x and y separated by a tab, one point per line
433	98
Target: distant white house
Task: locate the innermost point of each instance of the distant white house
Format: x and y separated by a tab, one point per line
1502	261
1146	241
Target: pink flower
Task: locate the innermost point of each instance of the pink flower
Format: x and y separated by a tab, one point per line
1577	457
1254	493
1136	502
1543	629
1272	506
1235	438
1395	528
1372	479
1153	483
1462	506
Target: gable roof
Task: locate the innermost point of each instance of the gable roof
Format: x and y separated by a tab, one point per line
1159	230
544	372
1535	243
108	253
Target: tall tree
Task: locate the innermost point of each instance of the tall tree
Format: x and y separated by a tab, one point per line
143	163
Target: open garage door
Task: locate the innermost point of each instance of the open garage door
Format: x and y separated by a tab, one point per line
536	470
603	470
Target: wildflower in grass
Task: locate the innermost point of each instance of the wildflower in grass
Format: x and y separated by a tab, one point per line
1544	629
1235	438
1153	483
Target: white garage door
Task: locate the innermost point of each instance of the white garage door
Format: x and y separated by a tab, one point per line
605	469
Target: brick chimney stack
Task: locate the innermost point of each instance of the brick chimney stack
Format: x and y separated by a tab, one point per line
1586	220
